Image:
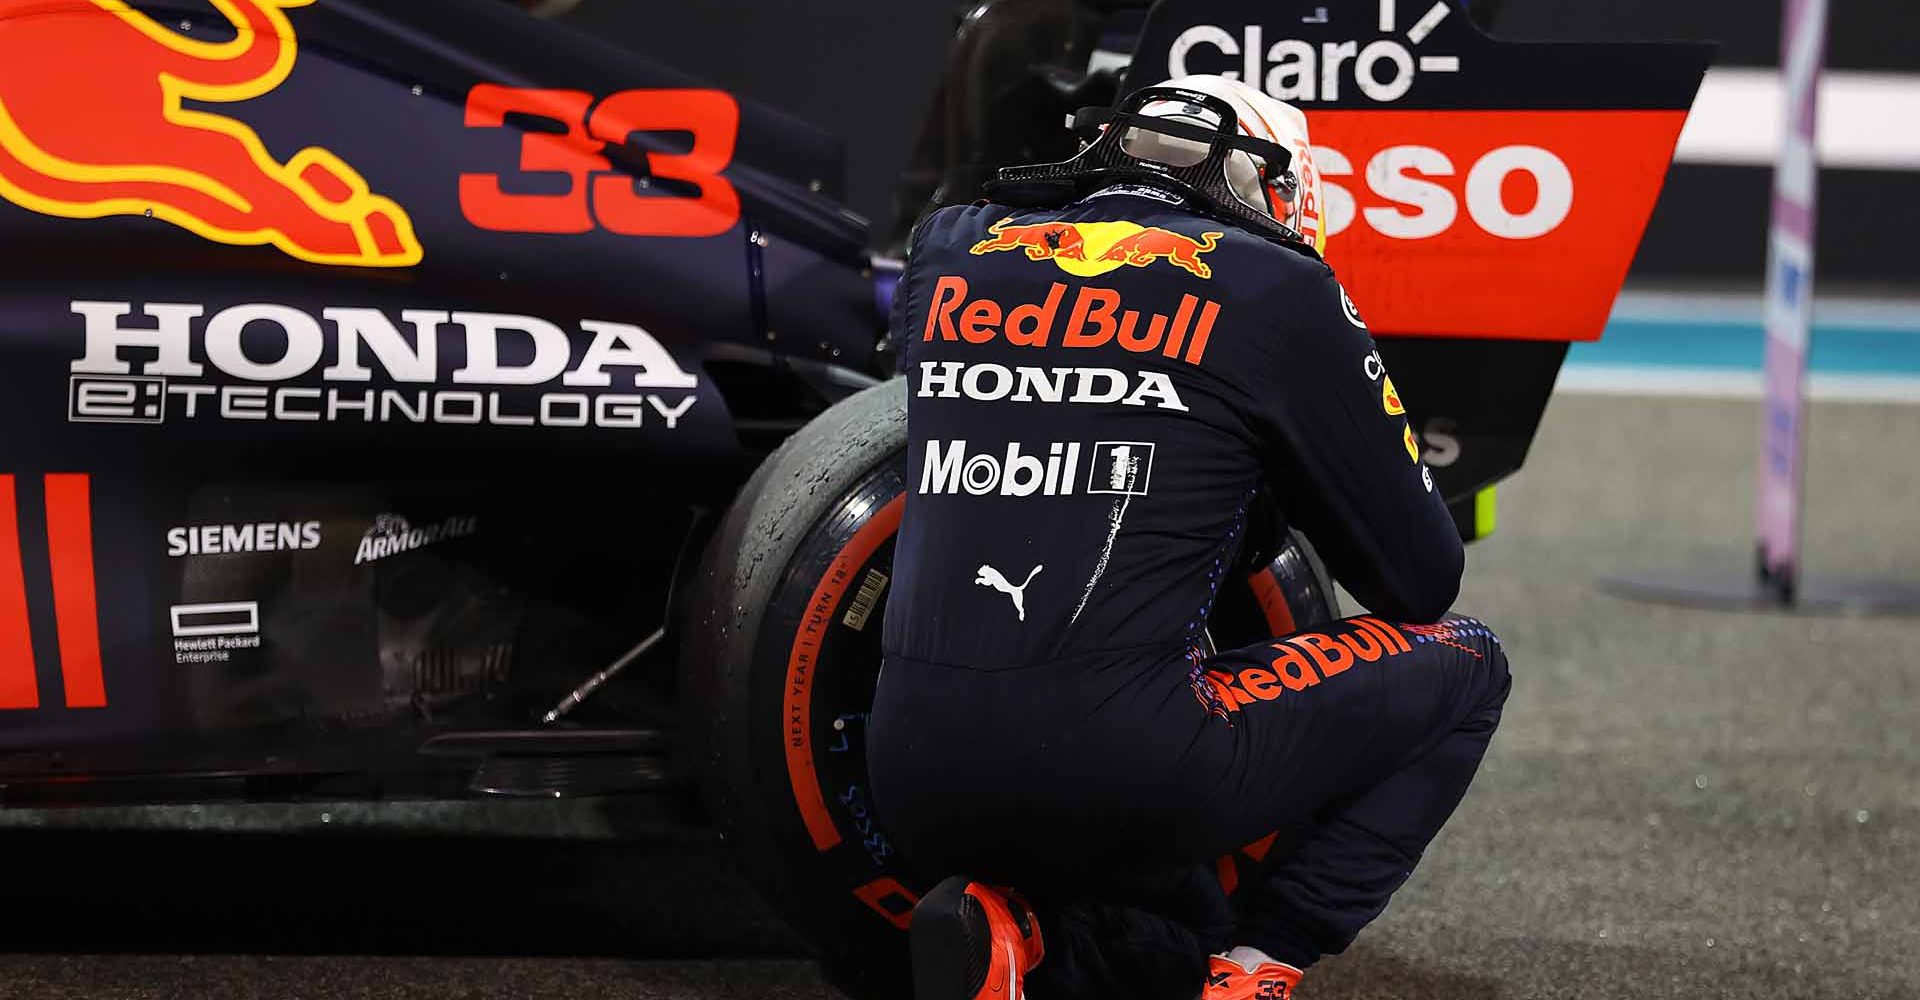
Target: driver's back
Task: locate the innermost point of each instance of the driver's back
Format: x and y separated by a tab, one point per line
1096	394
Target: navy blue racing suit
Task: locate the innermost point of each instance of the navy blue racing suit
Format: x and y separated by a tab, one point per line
1097	393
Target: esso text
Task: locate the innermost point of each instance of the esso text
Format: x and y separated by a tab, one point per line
1425	190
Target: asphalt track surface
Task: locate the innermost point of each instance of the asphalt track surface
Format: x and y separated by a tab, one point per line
1681	804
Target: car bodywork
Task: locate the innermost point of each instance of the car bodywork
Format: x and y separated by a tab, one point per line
276	493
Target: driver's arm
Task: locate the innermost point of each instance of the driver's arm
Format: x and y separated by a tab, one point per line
1342	462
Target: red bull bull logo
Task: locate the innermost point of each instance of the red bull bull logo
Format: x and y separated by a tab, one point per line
1041	241
93	124
1089	249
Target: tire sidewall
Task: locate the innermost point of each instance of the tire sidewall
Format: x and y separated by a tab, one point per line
786	529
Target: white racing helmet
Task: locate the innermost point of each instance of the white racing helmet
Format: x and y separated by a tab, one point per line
1288	193
1239	155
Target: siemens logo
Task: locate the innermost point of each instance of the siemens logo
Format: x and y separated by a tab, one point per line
225	539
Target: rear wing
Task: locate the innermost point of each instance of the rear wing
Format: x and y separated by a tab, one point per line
1484	197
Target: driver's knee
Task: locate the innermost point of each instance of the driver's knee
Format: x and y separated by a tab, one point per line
1489	658
1474	643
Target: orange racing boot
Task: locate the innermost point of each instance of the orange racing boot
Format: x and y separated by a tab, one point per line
1229	979
972	942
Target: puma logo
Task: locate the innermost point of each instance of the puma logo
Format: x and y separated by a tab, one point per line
990	577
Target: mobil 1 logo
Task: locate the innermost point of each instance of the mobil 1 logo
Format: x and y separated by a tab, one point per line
1121	467
1054	469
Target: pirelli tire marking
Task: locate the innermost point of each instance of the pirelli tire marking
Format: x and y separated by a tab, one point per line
821	625
804	656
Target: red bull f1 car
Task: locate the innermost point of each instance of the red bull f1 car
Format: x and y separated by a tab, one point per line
421	399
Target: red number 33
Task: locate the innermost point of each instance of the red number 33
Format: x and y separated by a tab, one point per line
596	196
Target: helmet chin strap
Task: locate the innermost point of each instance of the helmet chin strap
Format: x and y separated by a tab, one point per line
1103	163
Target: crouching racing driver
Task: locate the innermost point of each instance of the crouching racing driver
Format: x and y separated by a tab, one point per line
1107	362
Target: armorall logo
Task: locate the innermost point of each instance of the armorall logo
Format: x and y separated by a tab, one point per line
93	123
1088	249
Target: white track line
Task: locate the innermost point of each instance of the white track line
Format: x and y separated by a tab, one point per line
1867	121
1709	383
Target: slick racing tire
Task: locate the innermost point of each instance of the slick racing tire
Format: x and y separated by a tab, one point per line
781	653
